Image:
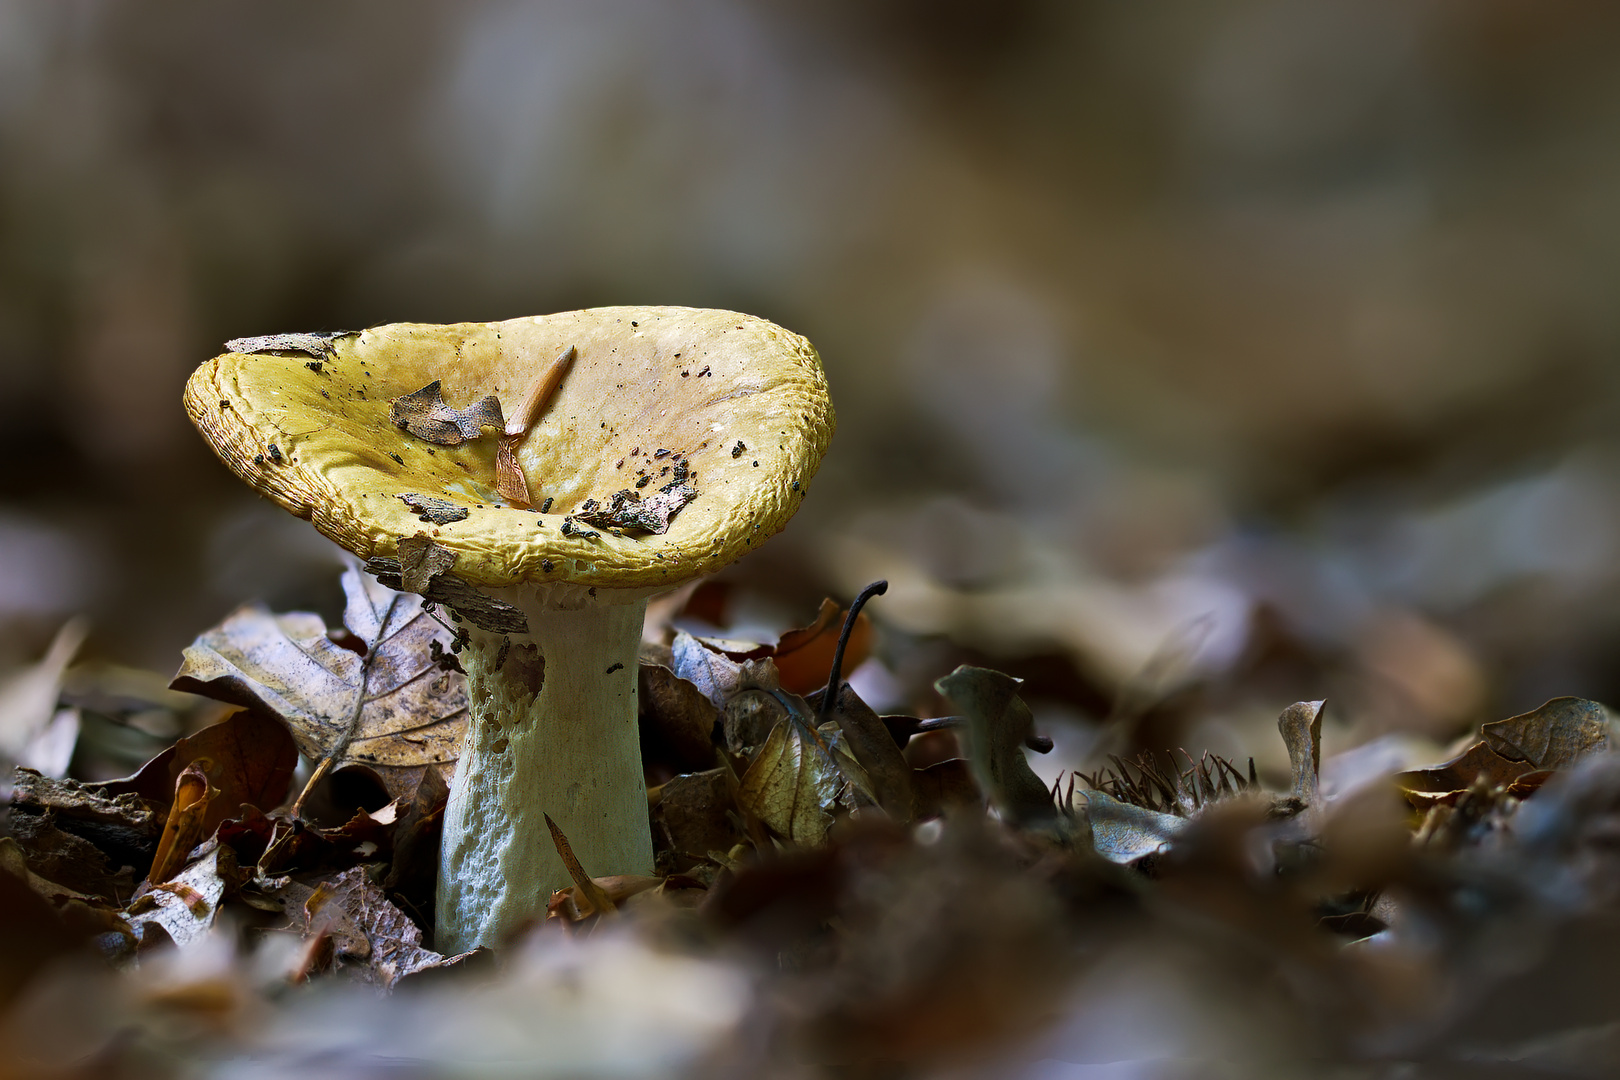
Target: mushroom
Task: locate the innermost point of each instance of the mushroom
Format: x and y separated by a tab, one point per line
552	597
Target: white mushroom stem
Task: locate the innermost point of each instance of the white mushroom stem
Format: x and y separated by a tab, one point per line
552	730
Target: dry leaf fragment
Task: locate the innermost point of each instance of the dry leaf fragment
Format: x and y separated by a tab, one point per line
1454	776
392	709
184	828
317	345
480	608
421	560
715	675
510	482
628	510
425	415
1123	833
804	656
185	906
434	511
879	755
998	724
364	925
690	817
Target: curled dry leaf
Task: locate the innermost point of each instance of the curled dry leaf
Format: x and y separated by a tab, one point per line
714	674
1517	753
184	827
998	724
392	710
1455	775
425	415
1301	728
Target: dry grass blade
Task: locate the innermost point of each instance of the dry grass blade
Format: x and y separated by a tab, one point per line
522	419
590	890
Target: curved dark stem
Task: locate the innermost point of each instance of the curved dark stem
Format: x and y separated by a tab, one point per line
835	679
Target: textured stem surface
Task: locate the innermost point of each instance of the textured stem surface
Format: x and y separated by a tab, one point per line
552	730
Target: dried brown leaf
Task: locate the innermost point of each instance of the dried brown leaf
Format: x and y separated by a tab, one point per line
1554	736
690	816
998	724
868	738
1455	775
434	511
793	784
425	415
509	479
944	785
249	757
392	709
676	715
804	656
379	940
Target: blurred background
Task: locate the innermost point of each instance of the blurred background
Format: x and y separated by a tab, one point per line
1190	358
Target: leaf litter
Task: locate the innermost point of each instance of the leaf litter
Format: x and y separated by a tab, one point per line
825	899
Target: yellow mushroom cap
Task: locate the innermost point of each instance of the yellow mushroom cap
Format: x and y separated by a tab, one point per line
315	435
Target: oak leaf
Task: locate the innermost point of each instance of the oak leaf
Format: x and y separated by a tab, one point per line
391	709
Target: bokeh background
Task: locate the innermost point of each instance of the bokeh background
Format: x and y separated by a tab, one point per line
1190	358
